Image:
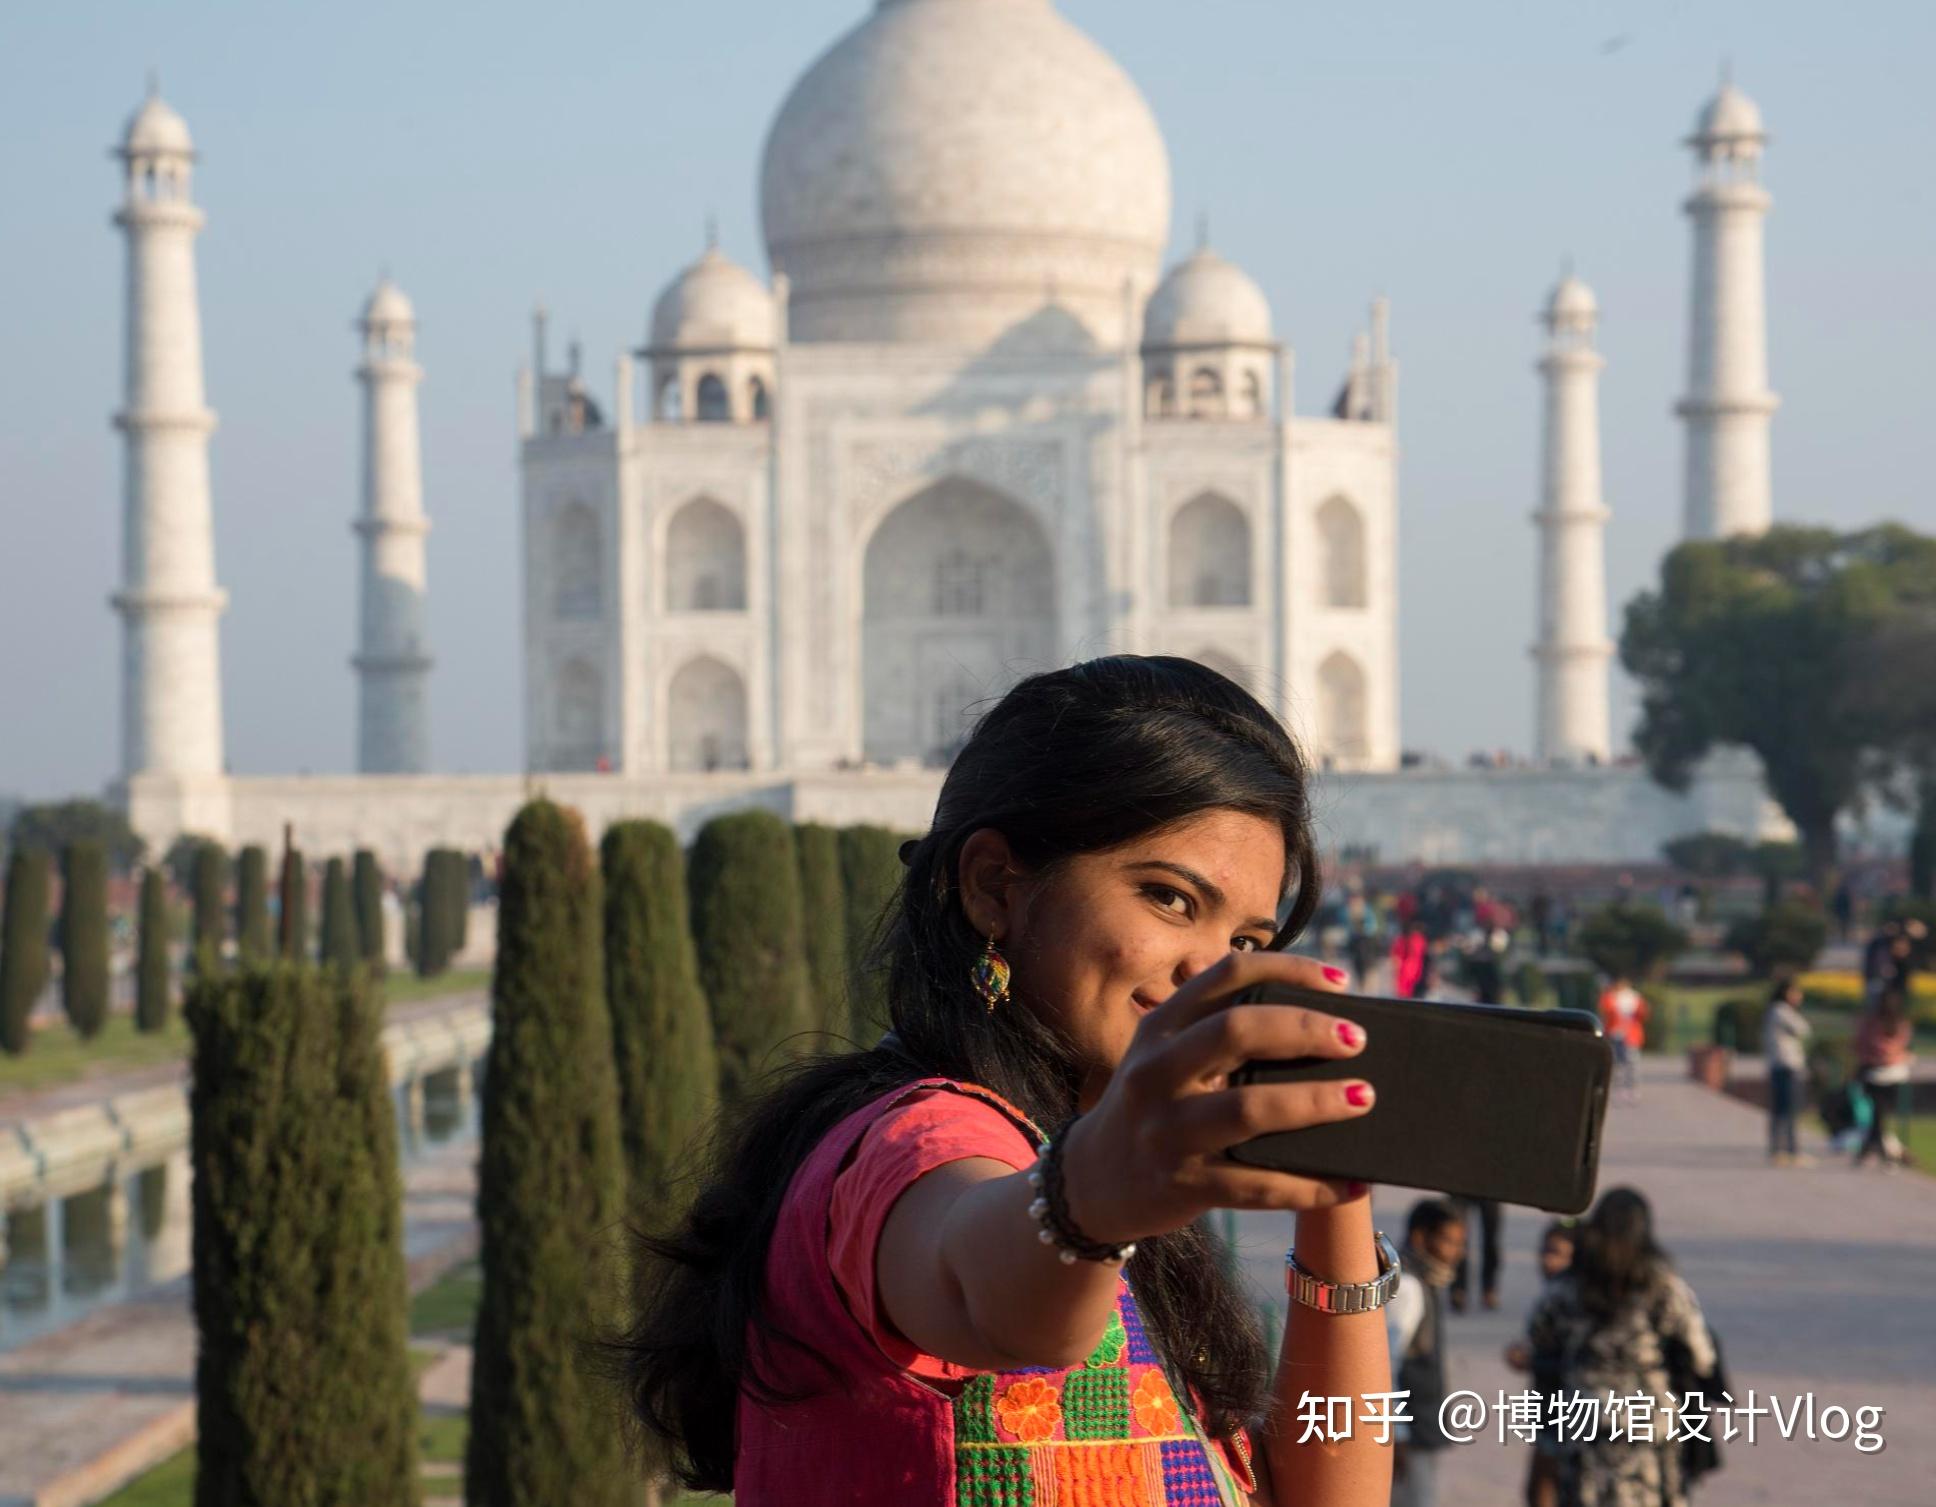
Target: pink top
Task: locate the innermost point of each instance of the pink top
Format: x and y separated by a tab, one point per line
925	1130
870	1419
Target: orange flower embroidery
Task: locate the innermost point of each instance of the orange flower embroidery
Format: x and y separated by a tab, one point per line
1154	1403
1030	1410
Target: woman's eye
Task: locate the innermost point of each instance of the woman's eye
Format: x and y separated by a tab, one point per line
1162	894
1251	944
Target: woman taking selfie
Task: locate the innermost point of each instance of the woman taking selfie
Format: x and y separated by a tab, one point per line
964	1265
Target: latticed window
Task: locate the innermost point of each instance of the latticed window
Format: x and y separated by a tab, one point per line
958	581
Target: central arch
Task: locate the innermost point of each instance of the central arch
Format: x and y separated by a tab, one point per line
958	603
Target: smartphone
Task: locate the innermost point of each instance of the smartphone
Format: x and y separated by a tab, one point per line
1478	1101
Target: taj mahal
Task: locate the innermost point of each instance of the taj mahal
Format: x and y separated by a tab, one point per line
968	426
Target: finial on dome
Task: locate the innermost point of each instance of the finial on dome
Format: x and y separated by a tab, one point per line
712	232
1203	230
154	82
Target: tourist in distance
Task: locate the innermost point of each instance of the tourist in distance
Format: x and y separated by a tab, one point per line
1784	1037
1619	1321
872	1300
1415	1328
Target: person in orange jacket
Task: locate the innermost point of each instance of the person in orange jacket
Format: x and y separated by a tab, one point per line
1623	1013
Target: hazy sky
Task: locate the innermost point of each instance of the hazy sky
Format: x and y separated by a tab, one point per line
1447	155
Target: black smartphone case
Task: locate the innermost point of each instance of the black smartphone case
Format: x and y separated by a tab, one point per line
1481	1101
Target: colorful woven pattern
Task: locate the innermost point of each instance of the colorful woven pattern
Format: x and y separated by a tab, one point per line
1107	1433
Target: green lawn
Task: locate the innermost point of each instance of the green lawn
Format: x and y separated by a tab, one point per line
56	1055
403	988
1919	1135
448	1305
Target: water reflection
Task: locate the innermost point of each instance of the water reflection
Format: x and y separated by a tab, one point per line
61	1260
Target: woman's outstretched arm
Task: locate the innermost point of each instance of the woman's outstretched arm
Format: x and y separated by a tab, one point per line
1330	1355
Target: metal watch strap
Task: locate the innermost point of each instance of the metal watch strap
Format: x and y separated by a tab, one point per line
1344	1297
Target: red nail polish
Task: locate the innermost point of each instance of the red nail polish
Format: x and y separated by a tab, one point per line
1350	1035
1358	1095
1336	975
1358	1190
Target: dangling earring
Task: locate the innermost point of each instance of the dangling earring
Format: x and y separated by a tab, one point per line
990	975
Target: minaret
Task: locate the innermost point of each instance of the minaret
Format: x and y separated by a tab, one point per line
392	667
171	702
1728	404
1573	648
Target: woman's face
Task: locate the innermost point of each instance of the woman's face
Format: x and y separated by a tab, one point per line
1109	936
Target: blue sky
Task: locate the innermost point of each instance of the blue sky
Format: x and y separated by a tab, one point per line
1445	155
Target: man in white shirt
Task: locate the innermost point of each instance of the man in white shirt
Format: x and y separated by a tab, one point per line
1415	1327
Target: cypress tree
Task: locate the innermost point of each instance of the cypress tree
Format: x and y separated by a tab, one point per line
823	908
338	944
433	917
23	946
252	906
367	885
303	1385
293	940
744	889
84	935
209	880
550	1188
457	895
662	1035
870	878
152	983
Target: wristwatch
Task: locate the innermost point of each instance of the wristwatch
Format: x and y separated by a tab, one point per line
1344	1297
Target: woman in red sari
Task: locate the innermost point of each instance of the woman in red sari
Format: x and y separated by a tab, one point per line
966	1263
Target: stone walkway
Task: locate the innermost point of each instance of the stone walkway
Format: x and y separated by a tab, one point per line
1817	1279
85	1410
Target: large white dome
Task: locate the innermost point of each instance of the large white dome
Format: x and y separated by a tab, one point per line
950	169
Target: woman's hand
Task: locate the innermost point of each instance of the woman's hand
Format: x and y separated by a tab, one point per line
1149	1158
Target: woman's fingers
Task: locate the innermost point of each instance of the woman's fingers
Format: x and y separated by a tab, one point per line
1246	1033
1212	989
1214	1122
1254	1188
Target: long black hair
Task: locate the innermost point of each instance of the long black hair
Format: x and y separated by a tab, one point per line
1073	761
1615	1258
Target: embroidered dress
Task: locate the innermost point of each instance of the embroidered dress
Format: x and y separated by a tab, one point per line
869	1420
1107	1433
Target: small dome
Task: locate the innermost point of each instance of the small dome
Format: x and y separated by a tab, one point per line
714	304
388	306
1207	300
1729	116
155	129
1572	299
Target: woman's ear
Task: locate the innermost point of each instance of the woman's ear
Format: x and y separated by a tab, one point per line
986	872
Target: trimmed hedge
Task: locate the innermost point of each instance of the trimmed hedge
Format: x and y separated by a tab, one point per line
24	962
870	877
303	1381
208	878
662	1037
823	912
293	935
744	889
550	1189
252	944
152	982
84	936
339	944
366	882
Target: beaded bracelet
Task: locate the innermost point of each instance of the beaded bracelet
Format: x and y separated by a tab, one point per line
1050	1211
